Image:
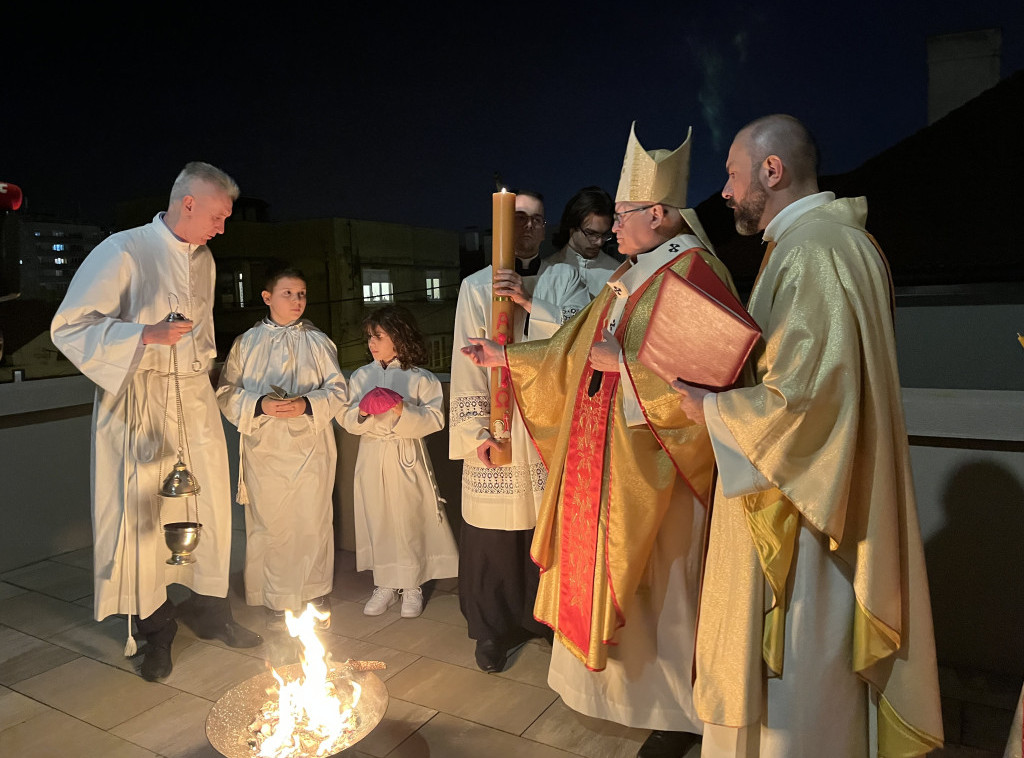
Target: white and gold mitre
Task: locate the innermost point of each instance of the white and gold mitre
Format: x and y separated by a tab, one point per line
655	176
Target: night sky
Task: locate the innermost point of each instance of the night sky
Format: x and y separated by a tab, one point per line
375	112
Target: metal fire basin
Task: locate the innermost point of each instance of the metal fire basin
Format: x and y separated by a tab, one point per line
227	726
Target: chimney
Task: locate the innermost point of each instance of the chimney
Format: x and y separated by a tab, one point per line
960	67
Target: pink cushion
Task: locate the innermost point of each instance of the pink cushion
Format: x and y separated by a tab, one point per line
379	400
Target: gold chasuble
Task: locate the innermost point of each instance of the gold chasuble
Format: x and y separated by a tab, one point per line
825	426
609	483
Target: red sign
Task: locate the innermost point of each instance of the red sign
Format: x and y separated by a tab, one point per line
10	197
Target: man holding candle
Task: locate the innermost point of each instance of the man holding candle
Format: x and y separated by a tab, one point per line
497	579
815	633
619	534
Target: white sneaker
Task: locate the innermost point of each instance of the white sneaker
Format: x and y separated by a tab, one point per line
412	603
382	599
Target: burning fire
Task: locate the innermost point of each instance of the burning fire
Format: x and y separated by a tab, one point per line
311	715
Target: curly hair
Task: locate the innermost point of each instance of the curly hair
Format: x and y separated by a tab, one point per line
400	325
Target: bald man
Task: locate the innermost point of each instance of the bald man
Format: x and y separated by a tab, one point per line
815	632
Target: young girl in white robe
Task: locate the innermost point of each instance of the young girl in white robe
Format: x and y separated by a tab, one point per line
402	531
282	387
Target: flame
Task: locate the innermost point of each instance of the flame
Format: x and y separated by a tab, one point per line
311	704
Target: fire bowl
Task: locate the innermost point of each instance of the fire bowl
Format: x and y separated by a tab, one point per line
227	726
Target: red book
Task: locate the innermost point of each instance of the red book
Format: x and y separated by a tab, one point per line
698	332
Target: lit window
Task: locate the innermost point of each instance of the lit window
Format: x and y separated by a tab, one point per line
58	247
59	261
433	285
377	286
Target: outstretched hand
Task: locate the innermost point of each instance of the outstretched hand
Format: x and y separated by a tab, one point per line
484	352
691	400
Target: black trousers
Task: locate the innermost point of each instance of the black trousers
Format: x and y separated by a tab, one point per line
204	610
158	627
498	585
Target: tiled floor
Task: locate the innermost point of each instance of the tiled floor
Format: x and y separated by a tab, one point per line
66	685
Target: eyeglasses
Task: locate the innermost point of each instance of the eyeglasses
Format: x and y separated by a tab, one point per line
596	238
525	219
617	217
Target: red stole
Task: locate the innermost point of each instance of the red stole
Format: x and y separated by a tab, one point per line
582	512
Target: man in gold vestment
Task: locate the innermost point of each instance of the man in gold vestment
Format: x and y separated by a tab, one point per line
815	635
619	532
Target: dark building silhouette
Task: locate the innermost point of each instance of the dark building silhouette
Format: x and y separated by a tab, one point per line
943	202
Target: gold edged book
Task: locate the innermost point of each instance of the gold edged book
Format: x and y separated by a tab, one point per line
698	332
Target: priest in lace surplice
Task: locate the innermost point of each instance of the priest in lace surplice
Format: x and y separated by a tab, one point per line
497	579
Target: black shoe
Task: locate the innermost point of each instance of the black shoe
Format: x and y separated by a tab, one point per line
231	634
157	662
490	656
667	744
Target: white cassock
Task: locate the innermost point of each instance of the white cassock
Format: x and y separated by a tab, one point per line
286	465
595	271
402	531
507	497
122	286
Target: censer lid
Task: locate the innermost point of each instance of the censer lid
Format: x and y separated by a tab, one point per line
179	482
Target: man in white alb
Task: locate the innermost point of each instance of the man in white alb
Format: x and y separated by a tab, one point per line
112	325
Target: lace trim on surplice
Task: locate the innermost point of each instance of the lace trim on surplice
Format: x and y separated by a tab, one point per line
513	479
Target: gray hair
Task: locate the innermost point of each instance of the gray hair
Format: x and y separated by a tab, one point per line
199	171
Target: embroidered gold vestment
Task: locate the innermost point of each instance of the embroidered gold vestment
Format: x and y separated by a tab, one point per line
609	483
825	425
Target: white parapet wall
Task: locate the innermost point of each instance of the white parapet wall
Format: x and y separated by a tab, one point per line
968	456
967	450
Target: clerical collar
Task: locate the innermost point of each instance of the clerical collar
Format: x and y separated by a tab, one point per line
785	218
528	267
630	276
